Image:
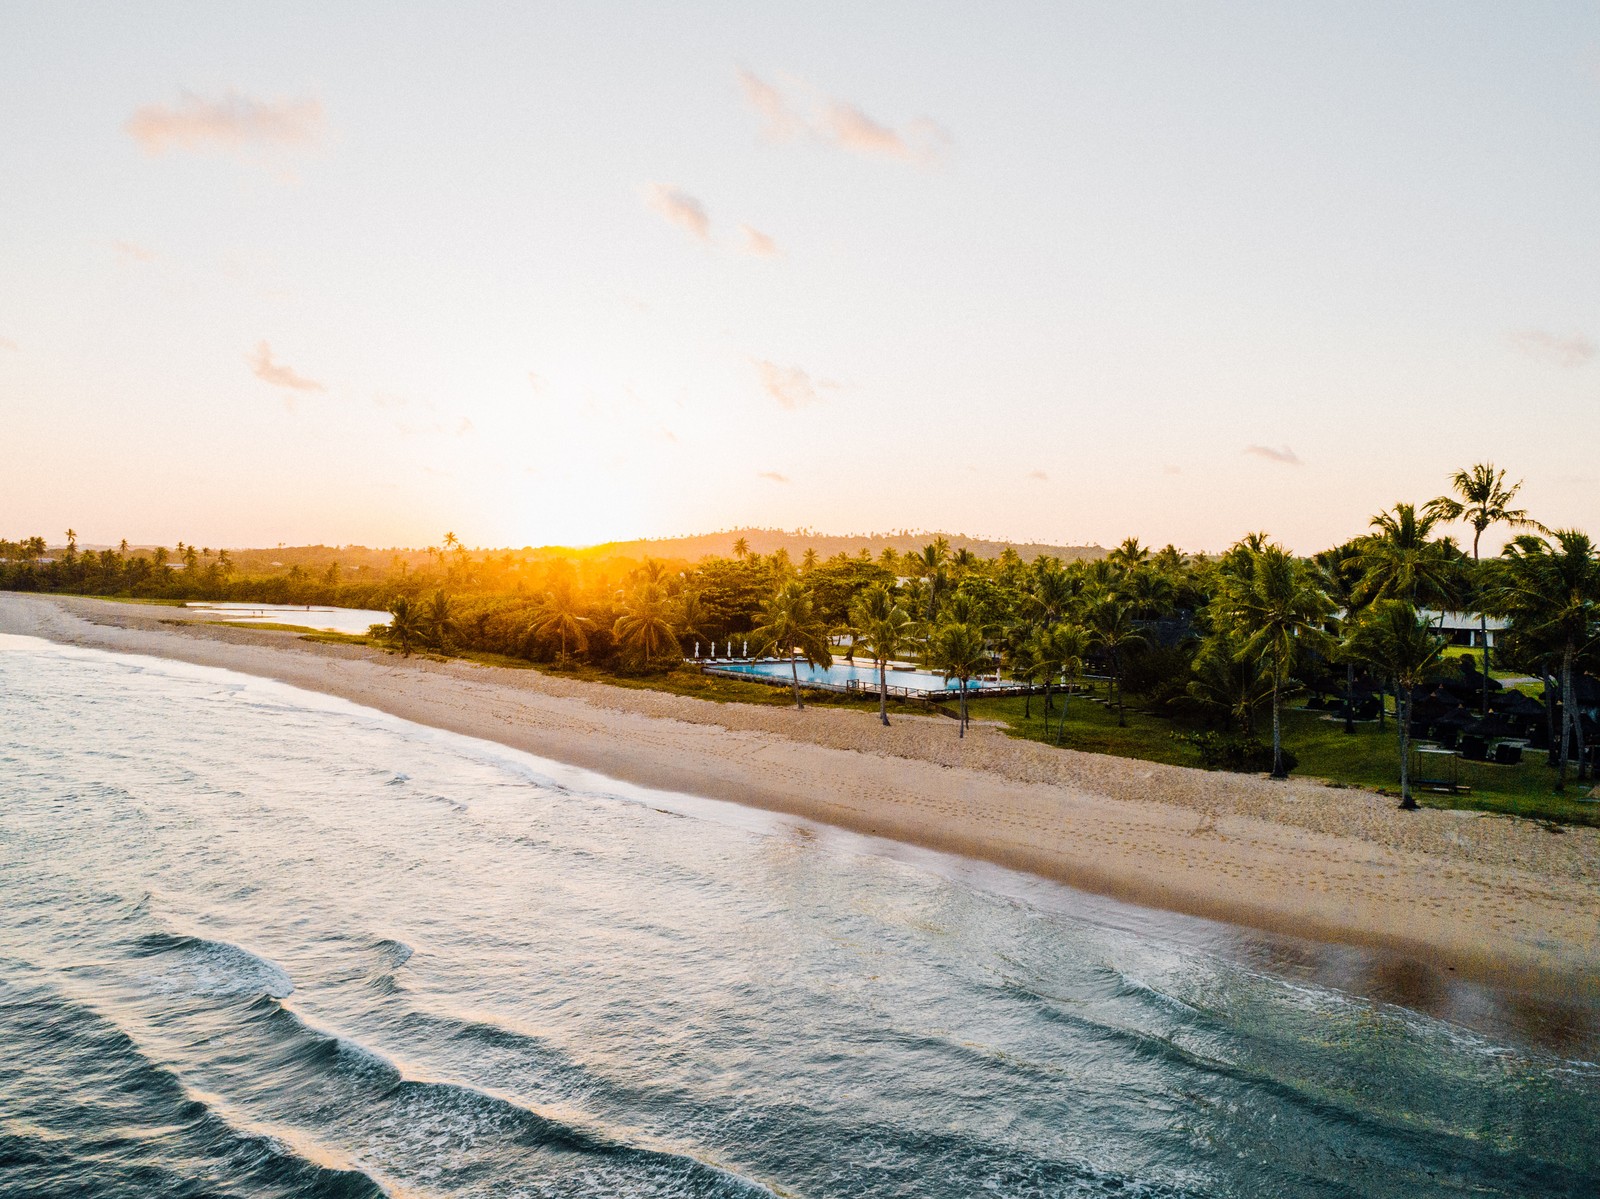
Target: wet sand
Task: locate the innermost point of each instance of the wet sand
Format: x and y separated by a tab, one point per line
1454	895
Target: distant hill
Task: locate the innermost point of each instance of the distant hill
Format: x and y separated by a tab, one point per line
767	541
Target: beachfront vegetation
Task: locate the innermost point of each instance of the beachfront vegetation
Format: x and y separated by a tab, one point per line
1253	659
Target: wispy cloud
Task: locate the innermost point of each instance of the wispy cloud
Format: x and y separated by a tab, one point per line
778	123
841	123
757	243
1171	469
789	385
680	209
1284	455
773	476
1039	476
1570	350
132	252
7	344
278	375
232	123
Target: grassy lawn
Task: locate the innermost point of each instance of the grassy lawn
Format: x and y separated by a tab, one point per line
1367	759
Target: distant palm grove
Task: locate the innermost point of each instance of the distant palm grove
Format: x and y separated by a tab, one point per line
1221	650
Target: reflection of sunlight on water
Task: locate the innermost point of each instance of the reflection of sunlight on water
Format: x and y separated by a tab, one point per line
306	616
500	964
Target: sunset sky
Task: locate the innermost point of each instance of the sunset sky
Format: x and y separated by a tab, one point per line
559	274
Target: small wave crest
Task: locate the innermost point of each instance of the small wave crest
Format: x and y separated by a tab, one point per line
213	969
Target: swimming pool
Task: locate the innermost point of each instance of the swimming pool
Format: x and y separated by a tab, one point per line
842	674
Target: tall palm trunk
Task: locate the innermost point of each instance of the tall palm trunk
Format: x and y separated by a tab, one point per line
1350	698
1116	683
963	730
1402	722
1061	728
794	669
1552	750
1278	772
1483	637
1571	718
883	691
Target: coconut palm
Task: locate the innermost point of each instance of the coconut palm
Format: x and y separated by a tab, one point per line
1551	590
1402	560
883	628
958	652
693	618
1111	628
1278	612
438	620
1228	684
561	617
646	629
1129	554
405	624
1341	579
1482	499
741	548
789	624
1066	651
1402	646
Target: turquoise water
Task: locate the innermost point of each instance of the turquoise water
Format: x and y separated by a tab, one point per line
259	942
841	673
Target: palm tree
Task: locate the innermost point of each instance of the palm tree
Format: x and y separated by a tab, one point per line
693	617
1341	579
741	548
405	624
1066	651
1129	554
561	617
789	623
1279	611
1482	499
438	621
1111	628
884	629
808	560
645	628
1403	646
1227	683
1552	592
1403	561
958	651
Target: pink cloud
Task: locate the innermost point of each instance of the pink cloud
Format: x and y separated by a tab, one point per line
232	123
790	386
680	209
278	375
757	243
778	123
1285	455
773	476
1570	350
842	124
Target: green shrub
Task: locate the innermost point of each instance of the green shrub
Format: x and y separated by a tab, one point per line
1230	751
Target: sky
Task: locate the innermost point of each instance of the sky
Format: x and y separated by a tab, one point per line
558	274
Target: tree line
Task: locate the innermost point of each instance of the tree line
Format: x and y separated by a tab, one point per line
1219	642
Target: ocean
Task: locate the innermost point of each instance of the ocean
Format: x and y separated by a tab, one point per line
256	941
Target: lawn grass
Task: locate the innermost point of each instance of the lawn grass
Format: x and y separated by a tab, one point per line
1368	759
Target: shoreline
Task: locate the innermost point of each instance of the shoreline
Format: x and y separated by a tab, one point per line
1468	895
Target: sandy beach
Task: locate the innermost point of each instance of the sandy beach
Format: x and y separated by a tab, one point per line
1489	897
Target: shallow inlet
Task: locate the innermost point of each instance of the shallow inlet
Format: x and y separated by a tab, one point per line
261	941
320	618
